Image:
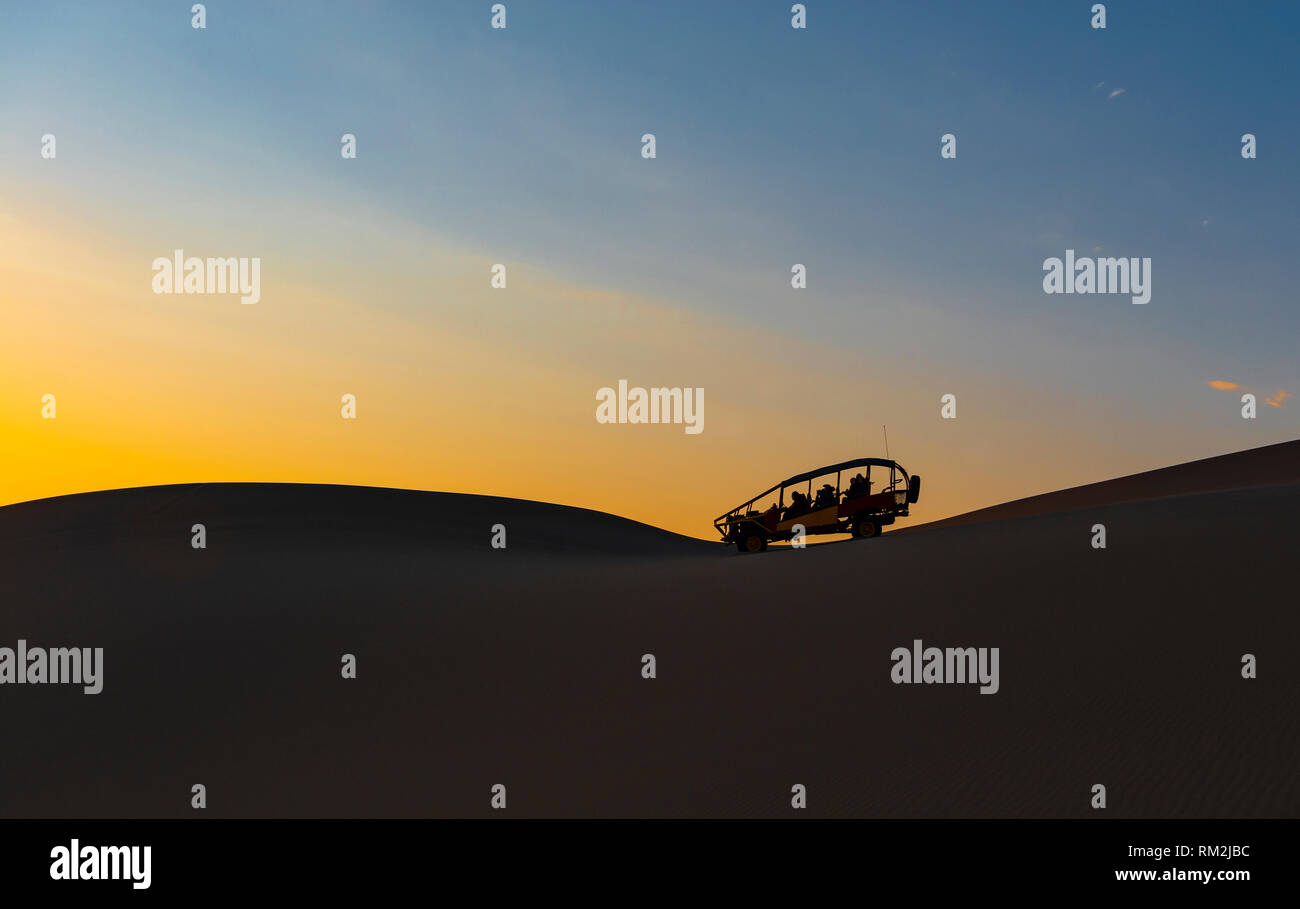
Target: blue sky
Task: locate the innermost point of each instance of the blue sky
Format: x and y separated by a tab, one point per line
821	145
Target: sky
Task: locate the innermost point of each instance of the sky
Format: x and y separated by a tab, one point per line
522	146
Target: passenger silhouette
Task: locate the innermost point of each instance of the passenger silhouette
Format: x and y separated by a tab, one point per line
771	516
858	486
798	505
825	497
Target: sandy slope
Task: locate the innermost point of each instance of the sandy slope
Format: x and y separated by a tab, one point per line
1267	466
523	666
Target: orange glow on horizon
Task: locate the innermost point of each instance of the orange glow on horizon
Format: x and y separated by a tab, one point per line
461	388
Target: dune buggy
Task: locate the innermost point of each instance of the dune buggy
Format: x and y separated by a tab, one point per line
860	504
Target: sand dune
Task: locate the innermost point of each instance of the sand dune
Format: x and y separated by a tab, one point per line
1268	466
523	667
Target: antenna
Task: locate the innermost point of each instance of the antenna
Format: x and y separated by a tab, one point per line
886	432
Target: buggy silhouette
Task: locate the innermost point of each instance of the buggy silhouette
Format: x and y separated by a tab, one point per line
869	501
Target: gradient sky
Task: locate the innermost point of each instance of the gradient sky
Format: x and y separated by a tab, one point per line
522	146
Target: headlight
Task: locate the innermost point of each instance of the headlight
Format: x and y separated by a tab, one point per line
900	498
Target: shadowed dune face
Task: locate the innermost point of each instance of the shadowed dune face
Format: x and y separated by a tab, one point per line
293	514
1268	466
523	666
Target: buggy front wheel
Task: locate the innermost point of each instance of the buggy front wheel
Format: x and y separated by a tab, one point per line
865	529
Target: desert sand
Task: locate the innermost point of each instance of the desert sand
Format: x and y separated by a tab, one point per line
522	666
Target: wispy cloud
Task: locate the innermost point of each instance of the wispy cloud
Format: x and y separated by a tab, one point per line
1276	399
1118	91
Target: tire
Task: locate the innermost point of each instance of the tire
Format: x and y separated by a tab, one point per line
865	529
751	542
